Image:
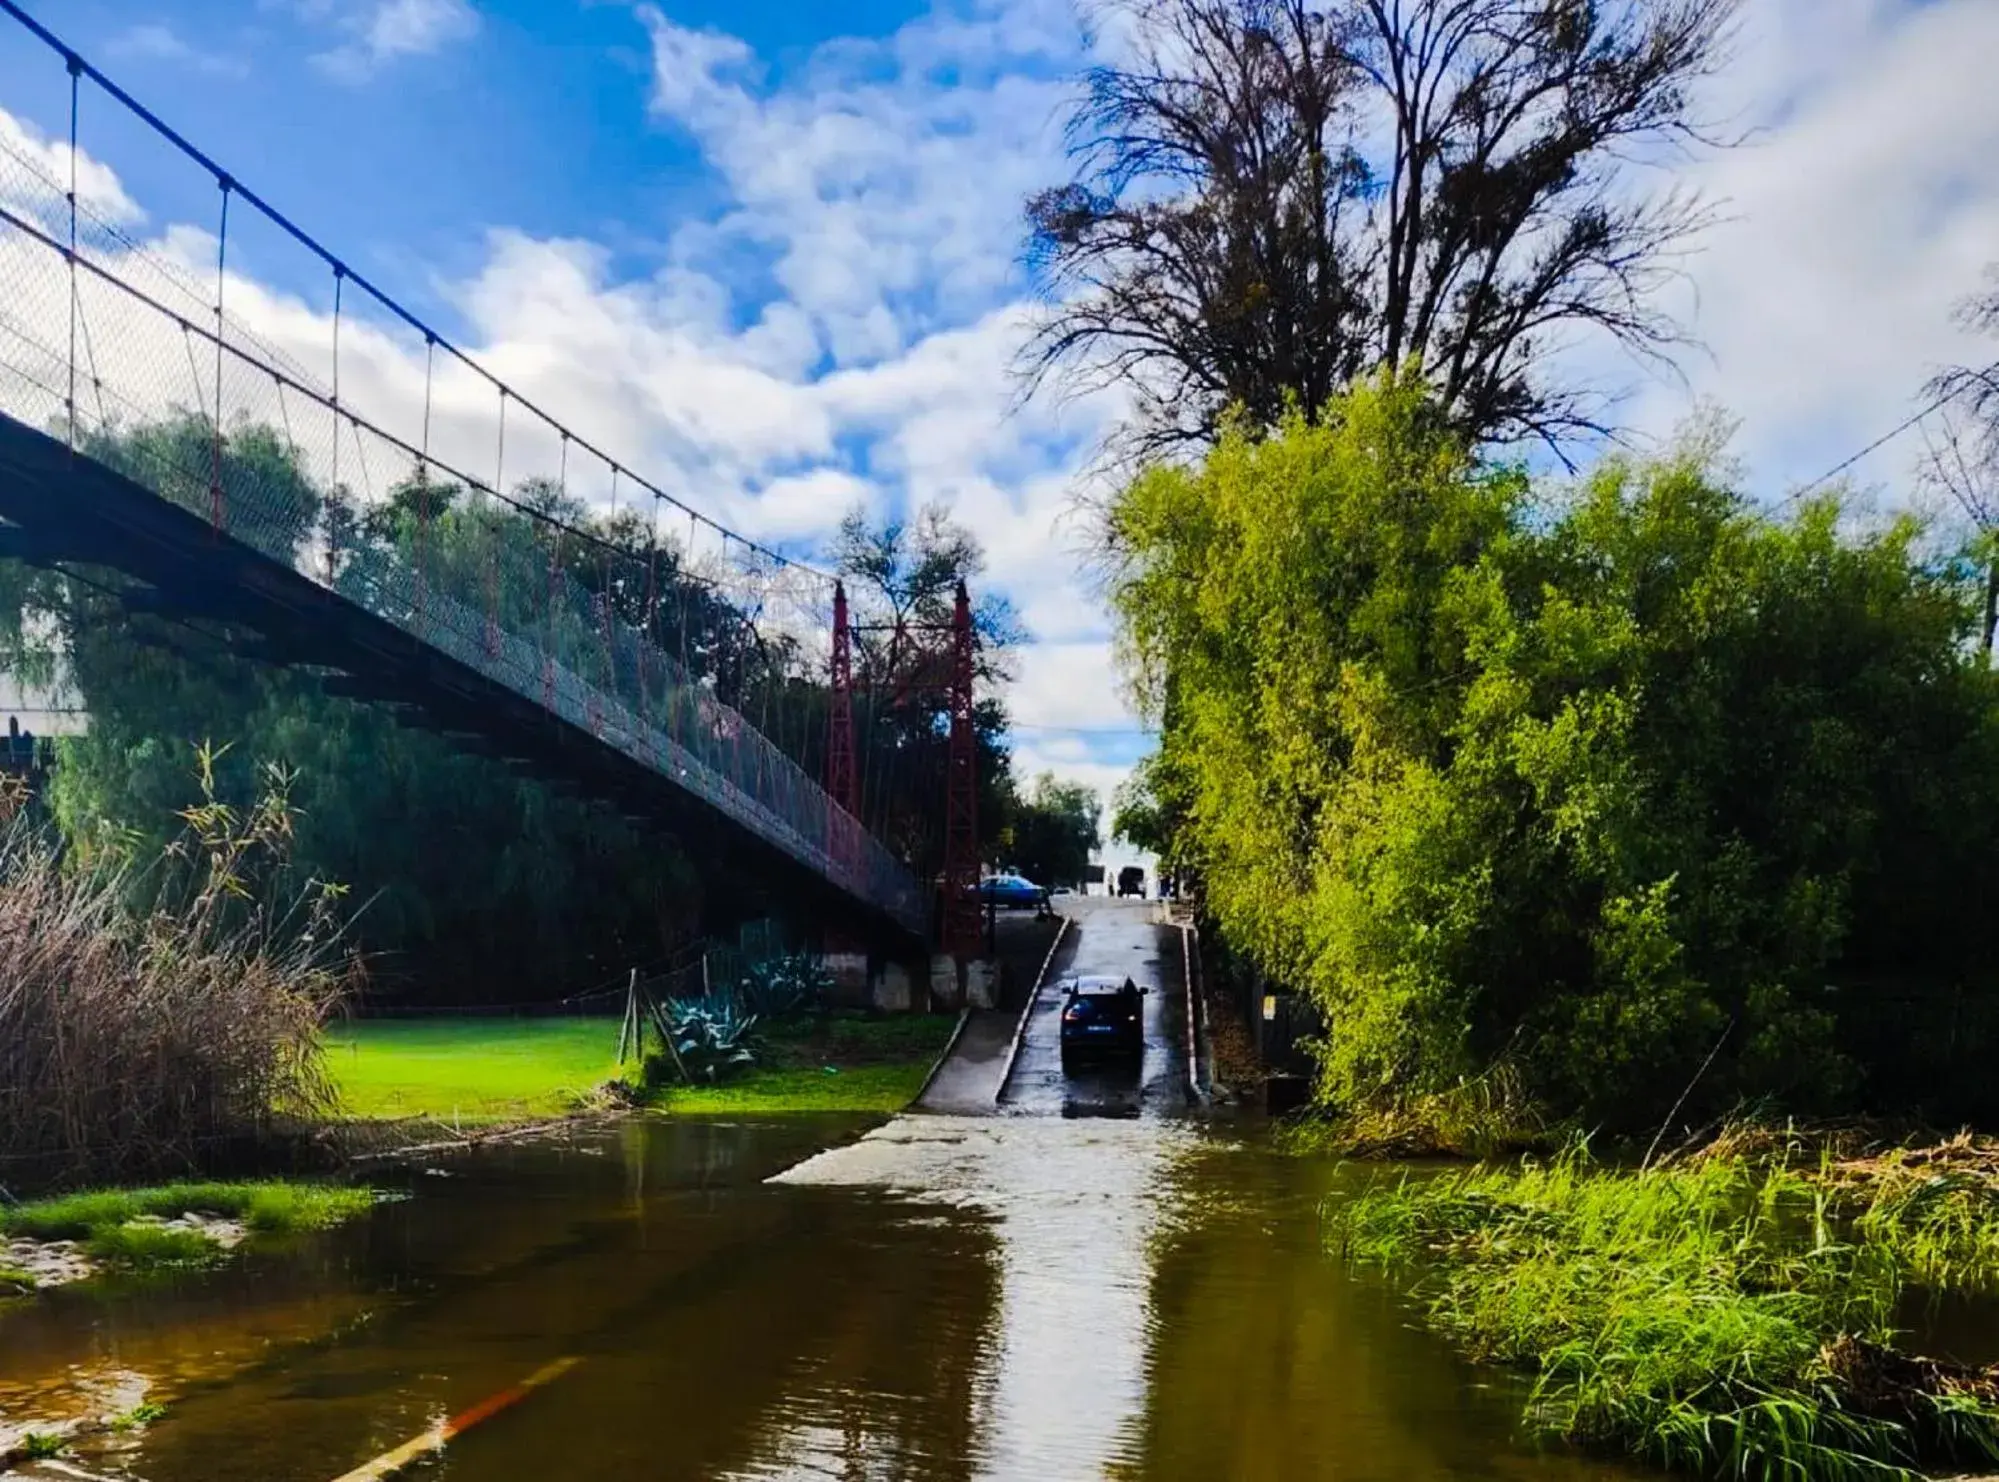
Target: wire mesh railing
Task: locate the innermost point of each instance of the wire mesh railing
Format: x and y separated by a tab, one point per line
395	487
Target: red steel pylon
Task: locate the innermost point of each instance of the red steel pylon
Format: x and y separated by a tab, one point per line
962	924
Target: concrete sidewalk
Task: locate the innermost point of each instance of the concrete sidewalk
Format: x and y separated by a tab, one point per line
968	1082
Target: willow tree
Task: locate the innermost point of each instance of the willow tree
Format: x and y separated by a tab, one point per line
1622	783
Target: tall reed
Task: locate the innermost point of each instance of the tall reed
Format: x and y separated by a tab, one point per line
136	1040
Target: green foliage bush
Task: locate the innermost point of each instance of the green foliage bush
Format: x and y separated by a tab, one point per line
1728	1316
1606	779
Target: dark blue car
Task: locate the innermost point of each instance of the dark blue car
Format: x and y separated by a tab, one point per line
1012	890
1102	1018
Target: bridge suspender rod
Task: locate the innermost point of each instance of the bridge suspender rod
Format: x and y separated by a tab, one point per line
493	537
548	599
651	633
421	536
339	278
221	274
75	73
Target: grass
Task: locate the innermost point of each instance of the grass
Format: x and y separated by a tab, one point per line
265	1206
14	1282
825	1063
116	1226
138	1417
1484	1116
475	1071
151	1247
470	1070
1729	1315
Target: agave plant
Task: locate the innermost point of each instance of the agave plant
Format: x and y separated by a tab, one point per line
783	984
707	1041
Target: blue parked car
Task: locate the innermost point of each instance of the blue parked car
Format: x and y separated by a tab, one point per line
1013	890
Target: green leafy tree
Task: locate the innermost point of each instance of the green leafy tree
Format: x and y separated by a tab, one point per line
1053	829
470	882
1617	781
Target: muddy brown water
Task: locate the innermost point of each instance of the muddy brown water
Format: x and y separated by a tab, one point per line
1087	1285
932	1298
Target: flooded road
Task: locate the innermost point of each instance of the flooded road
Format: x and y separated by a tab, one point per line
1112	938
1016	1297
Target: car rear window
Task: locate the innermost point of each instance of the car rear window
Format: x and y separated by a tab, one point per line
1105	1000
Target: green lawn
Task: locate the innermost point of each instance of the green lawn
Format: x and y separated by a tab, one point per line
470	1070
868	1088
837	1062
489	1070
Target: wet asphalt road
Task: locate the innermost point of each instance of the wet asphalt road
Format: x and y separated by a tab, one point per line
1114	938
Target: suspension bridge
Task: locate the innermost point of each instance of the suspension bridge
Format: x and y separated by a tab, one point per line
388	512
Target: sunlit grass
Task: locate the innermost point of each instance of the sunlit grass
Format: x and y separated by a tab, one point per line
470	1070
264	1206
121	1229
842	1062
873	1088
473	1071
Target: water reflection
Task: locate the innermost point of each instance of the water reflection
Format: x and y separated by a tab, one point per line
939	1300
1074	1208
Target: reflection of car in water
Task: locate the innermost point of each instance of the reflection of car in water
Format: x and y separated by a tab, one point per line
1012	890
1131	881
1102	1017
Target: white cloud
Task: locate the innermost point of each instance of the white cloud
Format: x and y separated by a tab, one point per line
842	326
36	165
156	41
1860	212
384	30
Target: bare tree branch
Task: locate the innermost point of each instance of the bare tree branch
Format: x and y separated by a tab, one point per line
1273	196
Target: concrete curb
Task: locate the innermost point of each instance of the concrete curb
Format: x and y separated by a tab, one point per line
958	1029
1027	1011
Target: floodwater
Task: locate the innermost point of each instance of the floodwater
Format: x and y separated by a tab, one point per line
942	1298
1107	1289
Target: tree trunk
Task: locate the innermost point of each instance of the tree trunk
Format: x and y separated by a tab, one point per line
1991	608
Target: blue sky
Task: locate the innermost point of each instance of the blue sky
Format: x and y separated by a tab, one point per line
769	253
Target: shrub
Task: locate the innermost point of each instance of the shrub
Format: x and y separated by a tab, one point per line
1723	1316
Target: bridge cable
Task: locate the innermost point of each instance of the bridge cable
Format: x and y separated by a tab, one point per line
361	457
605	598
277	218
90	352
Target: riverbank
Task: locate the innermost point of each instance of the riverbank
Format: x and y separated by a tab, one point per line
1753	1309
75	1237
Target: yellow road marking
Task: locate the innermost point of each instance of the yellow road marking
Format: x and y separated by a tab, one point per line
438	1436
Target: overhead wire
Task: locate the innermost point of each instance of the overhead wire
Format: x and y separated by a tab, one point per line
1934	405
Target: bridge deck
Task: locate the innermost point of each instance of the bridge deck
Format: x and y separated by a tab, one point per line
65	508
